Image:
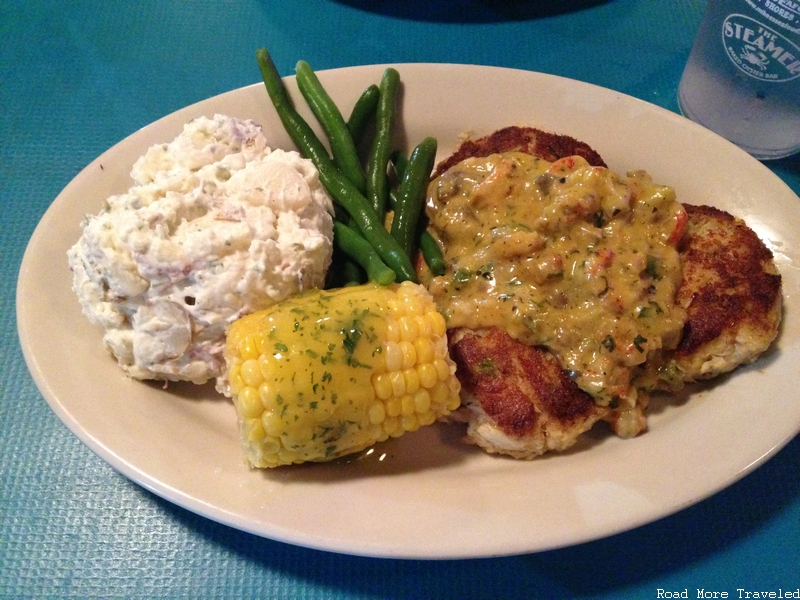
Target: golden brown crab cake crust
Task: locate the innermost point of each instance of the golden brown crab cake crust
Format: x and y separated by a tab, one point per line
517	399
731	290
549	146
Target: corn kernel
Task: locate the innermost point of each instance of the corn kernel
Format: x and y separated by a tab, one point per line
374	432
261	343
382	384
413	304
455	385
396	308
235	378
398	383
453	402
265	364
253	431
394	407
410	422
422	401
287	457
424	326
408	329
392	425
377	413
251	373
265	395
273	425
425	350
428	377
412	380
438	323
249	402
440	394
270	445
248	349
442	368
426	418
407	404
394	356
409	354
392	331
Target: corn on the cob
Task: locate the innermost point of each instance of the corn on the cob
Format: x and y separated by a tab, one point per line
329	373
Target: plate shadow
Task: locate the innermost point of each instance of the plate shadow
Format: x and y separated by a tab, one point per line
471	11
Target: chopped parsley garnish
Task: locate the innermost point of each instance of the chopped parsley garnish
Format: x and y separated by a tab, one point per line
486	367
638	341
608	343
351	336
461	277
653	267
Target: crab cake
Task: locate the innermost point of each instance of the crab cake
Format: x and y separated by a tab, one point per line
731	291
519	399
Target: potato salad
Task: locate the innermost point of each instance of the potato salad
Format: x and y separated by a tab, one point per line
216	225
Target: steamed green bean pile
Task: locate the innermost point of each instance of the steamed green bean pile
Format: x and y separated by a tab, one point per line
363	246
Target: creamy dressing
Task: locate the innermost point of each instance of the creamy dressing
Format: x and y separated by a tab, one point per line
217	225
565	255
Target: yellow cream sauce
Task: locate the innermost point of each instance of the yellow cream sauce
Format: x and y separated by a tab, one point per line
565	255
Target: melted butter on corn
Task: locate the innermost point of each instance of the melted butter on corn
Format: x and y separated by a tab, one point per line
329	373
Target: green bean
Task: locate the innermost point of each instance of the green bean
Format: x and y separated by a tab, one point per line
364	217
357	248
363	111
411	194
351	271
377	181
295	125
432	253
339	187
345	154
343	270
399	162
428	246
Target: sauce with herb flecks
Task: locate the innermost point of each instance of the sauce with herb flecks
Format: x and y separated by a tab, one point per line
565	255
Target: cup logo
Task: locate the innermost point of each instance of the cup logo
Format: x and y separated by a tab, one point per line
760	51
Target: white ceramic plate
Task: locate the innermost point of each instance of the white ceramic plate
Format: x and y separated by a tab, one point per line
426	495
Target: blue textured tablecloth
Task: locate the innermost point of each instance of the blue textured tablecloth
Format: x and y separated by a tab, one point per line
77	77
